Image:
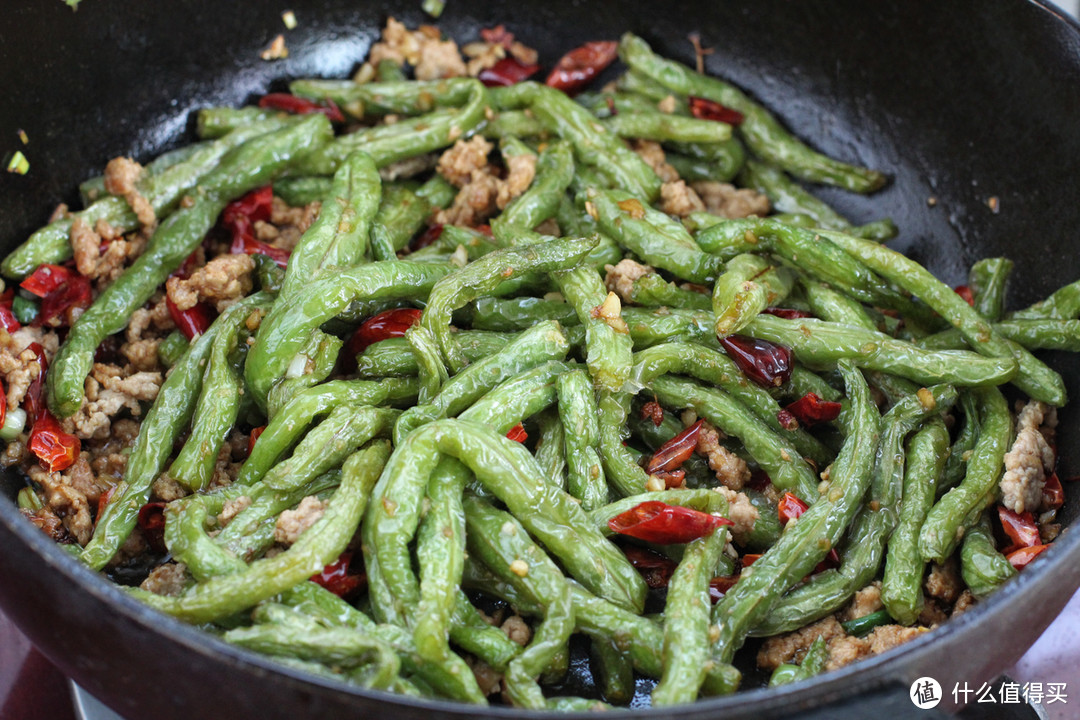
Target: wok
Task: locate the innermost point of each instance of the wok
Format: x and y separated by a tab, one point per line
959	101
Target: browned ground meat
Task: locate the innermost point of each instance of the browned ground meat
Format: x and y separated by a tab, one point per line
619	278
678	198
168	579
1028	461
291	524
651	152
121	174
482	190
221	282
726	200
792	646
866	601
943	582
731	470
741	512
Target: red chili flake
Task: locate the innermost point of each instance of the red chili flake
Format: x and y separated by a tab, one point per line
484	230
1020	528
152	524
244	243
55	449
426	238
654	521
787	313
787	420
790	507
810	409
253	437
655	569
652	411
577	68
705	109
301	106
1053	493
672	454
256	205
1021	557
46	279
339	579
508	71
8	321
764	362
517	433
192	322
965	292
749	559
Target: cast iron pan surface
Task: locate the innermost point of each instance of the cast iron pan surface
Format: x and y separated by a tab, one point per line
959	101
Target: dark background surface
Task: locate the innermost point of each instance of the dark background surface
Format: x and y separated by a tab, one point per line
961	102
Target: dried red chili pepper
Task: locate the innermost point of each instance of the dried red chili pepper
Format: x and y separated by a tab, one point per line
787	420
427	237
790	507
517	433
103	501
810	409
243	243
965	292
655	569
672	454
3	405
32	399
192	322
1020	528
256	205
75	293
339	579
46	279
1053	494
759	480
54	448
8	321
832	560
787	313
253	438
652	411
187	267
577	68
1021	557
654	521
719	586
705	109
387	324
671	478
764	362
300	106
507	71
749	559
485	229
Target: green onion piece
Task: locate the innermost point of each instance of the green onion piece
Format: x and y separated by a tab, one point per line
860	627
14	422
433	8
29	500
26	311
19	163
